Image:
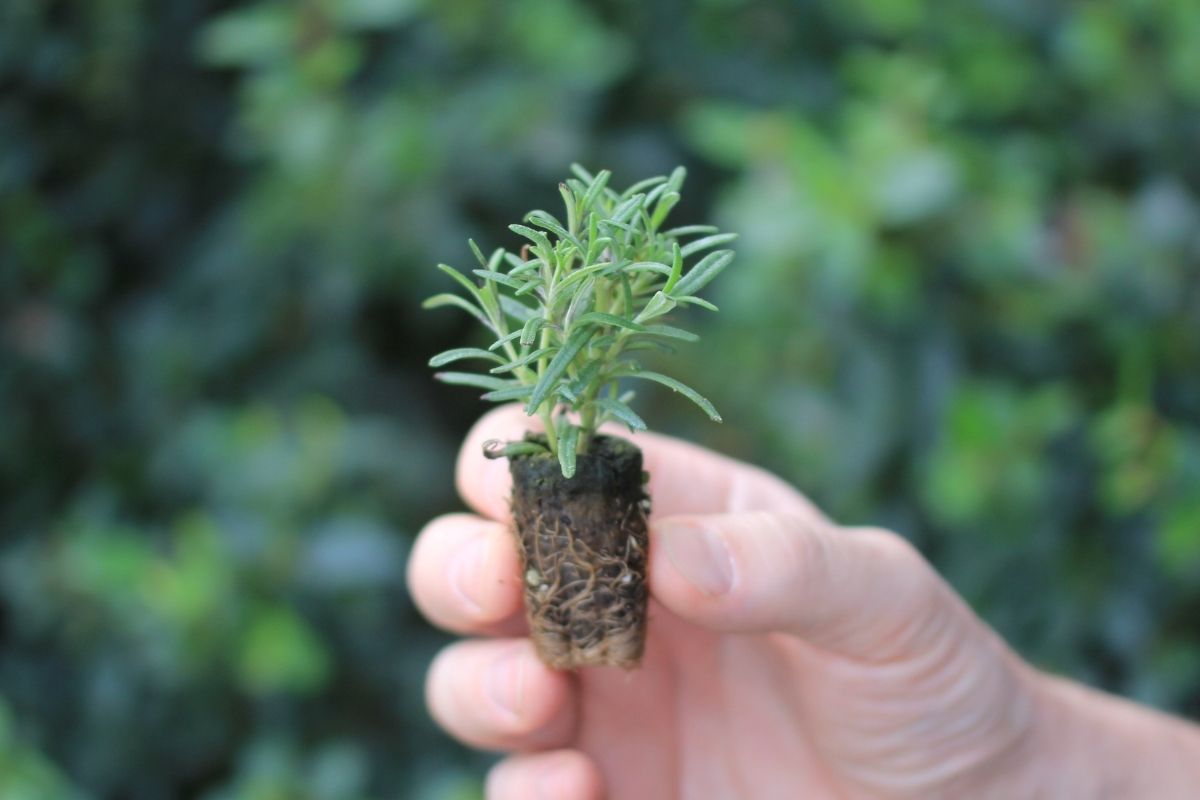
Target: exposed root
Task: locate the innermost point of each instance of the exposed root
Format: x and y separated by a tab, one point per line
586	607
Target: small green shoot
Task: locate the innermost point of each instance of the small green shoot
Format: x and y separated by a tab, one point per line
571	311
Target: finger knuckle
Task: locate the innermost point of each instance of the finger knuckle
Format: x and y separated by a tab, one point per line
915	582
892	546
806	539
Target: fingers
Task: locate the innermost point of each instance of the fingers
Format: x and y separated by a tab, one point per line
464	575
684	478
497	695
863	593
560	775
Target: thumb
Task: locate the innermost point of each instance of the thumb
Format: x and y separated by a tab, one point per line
862	592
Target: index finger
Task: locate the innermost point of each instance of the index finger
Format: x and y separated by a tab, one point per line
684	478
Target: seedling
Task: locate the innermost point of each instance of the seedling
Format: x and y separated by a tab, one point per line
570	314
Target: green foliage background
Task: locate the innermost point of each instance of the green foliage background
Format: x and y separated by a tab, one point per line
966	305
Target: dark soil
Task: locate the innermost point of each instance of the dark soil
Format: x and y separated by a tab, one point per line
583	546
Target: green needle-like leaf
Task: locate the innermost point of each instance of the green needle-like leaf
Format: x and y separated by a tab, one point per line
440	300
618	410
671	333
626	296
530	331
544	220
580	303
692	300
458	354
678	386
668	201
500	277
596	185
571	204
557	367
658	191
689	230
537	237
462	279
678	176
508	395
483	262
585	377
676	268
503	340
643	185
601	318
700	275
568	440
627	209
471	379
659	304
517	310
707	242
509	366
648	344
648	266
497	449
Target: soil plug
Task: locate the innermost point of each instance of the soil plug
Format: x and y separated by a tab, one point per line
569	314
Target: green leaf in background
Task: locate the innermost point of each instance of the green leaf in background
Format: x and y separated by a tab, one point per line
280	653
964	309
255	35
25	772
1178	538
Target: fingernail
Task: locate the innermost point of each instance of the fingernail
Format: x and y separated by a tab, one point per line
699	554
466	573
505	682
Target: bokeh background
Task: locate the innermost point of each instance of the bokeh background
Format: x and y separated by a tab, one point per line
966	305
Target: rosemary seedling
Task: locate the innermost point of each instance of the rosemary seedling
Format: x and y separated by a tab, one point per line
572	310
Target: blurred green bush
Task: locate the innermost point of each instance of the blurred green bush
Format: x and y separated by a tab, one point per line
966	305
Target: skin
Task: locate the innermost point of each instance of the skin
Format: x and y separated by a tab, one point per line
787	657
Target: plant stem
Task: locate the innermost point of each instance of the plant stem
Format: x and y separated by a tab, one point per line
548	404
587	424
551	433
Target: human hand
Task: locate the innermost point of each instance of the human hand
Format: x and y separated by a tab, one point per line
786	657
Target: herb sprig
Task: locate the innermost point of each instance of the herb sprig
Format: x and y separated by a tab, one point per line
572	310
